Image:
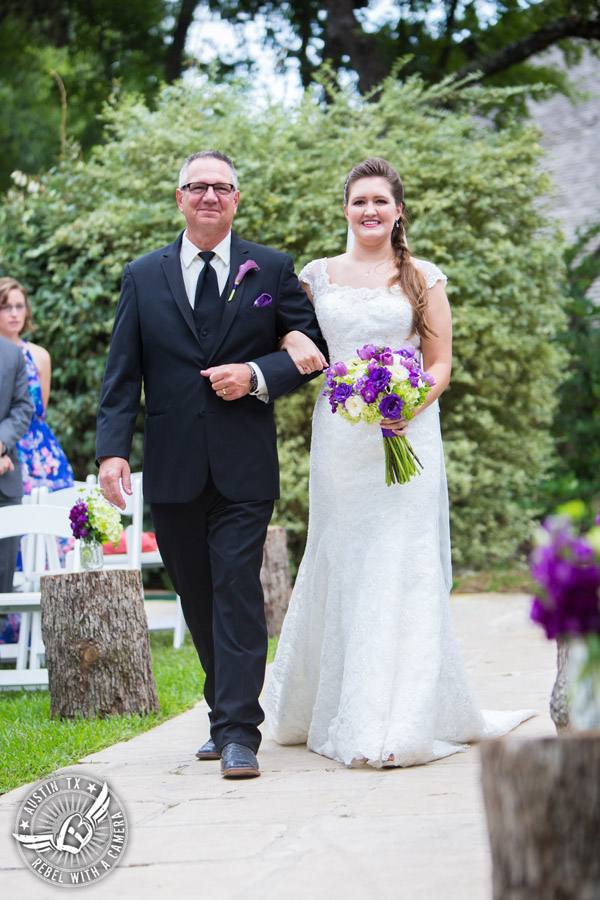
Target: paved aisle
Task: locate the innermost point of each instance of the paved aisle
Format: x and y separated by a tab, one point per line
310	829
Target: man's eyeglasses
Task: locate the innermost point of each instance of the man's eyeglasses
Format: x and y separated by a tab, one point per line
198	188
18	307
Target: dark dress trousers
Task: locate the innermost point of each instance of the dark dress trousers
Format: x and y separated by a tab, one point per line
210	467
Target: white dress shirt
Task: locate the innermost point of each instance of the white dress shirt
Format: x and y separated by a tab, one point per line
192	265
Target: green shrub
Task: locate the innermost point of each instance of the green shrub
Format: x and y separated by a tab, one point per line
473	193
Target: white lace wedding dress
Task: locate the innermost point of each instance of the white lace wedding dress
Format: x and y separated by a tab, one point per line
367	664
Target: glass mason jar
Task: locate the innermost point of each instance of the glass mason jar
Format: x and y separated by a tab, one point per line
583	678
92	557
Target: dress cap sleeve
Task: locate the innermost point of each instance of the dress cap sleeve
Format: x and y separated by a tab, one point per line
432	273
312	274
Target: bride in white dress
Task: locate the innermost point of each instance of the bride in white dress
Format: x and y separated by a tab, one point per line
367	667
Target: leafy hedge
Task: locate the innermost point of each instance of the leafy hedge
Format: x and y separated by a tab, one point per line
474	195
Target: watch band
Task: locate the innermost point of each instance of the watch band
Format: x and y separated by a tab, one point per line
253	379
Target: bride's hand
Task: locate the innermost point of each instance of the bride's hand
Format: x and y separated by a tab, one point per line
305	354
398	426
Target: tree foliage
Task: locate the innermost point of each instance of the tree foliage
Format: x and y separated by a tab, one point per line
496	38
576	426
97	46
473	192
92	45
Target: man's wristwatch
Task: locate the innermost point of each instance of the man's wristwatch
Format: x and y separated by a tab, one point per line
253	379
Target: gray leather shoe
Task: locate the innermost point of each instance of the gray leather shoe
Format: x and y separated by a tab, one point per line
208	751
238	761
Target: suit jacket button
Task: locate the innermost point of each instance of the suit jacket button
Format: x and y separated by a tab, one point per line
204	332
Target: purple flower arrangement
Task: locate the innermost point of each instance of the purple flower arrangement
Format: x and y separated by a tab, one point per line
94	519
381	384
565	565
566	568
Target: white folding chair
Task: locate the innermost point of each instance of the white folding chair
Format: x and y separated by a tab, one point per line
133	558
41	525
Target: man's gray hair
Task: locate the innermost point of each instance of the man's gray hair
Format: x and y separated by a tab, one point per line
206	154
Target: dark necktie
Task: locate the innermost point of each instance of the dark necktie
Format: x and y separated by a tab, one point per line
207	288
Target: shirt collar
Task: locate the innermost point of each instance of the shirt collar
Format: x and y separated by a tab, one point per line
189	251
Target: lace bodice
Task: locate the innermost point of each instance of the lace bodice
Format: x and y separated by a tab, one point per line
350	317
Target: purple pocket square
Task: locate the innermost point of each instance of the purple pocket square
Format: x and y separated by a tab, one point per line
263	300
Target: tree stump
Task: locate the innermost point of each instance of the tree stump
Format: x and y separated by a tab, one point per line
559	701
275	578
97	646
542	799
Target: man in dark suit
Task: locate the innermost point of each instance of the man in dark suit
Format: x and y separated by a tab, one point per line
16	410
202	331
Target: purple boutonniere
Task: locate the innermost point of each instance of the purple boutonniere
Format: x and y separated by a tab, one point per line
245	267
263	300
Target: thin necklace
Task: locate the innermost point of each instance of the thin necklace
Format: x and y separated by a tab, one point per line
372	268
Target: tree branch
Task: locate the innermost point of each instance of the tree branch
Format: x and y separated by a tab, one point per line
343	36
450	20
175	50
518	51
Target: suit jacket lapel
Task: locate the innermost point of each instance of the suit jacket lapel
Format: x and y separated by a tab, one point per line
171	264
239	255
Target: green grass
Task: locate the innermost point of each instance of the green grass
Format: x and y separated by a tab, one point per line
516	580
32	745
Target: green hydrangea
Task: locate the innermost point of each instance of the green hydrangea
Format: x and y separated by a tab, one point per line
105	520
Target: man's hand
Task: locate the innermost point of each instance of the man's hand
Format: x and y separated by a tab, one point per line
114	469
6	465
229	382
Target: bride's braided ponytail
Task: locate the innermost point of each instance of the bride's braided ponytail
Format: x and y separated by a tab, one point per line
410	280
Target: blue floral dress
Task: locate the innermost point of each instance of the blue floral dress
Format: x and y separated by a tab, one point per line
43	461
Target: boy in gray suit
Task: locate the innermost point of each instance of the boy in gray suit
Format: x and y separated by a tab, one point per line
16	410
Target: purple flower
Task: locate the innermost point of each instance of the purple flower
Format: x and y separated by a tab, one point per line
386	357
568	579
391	406
380	377
330	377
263	300
429	379
597	520
367	352
342	392
79	519
407	351
340	369
369	392
245	267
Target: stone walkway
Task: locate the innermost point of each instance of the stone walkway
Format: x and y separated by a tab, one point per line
310	828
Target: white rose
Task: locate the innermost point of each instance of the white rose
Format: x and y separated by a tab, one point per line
399	372
354	405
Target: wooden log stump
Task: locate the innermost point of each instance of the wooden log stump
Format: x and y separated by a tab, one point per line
97	646
542	799
275	578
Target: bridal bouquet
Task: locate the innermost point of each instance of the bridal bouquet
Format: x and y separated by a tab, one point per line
377	384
